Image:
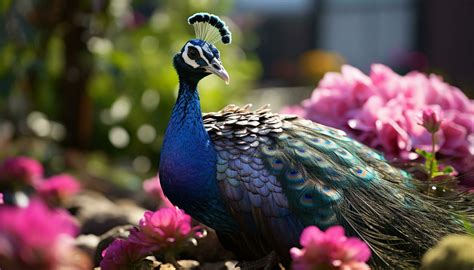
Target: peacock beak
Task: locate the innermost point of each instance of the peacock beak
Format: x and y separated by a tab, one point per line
218	69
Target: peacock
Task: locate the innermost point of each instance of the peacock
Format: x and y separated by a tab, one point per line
259	178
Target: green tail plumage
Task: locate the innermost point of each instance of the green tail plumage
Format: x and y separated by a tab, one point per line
347	183
281	173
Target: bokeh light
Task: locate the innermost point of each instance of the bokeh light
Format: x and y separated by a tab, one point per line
146	133
119	137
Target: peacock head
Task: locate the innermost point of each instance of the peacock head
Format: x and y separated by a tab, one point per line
199	57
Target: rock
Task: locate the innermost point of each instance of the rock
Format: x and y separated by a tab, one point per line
118	232
77	259
452	252
195	265
208	249
87	243
228	265
97	214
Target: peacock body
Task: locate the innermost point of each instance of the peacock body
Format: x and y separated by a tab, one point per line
259	178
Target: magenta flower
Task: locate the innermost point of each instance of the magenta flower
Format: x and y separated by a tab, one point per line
58	188
1	198
167	228
123	255
152	187
430	120
35	237
382	111
20	171
329	250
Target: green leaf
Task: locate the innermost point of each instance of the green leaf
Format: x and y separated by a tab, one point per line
423	153
448	170
434	166
4	6
468	226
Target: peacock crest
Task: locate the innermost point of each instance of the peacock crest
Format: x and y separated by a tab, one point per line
210	28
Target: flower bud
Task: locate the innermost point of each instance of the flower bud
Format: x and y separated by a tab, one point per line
431	120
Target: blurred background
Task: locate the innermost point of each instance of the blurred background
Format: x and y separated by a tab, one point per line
87	86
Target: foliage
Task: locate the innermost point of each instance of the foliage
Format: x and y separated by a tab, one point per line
98	74
432	166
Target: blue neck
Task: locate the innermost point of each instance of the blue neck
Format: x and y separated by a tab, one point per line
186	119
188	163
187	147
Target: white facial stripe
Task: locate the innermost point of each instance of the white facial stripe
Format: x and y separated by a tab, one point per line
190	61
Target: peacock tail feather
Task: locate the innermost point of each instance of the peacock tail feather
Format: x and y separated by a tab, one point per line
279	174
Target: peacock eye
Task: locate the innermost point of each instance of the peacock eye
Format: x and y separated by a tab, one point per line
193	53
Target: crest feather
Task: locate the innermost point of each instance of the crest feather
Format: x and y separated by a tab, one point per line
210	28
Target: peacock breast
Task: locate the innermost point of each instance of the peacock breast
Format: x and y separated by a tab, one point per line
188	178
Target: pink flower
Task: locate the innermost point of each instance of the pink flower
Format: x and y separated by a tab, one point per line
165	228
58	188
35	237
20	171
383	108
152	187
329	250
430	120
1	198
123	255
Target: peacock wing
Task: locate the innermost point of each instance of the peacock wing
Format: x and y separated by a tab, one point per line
254	195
